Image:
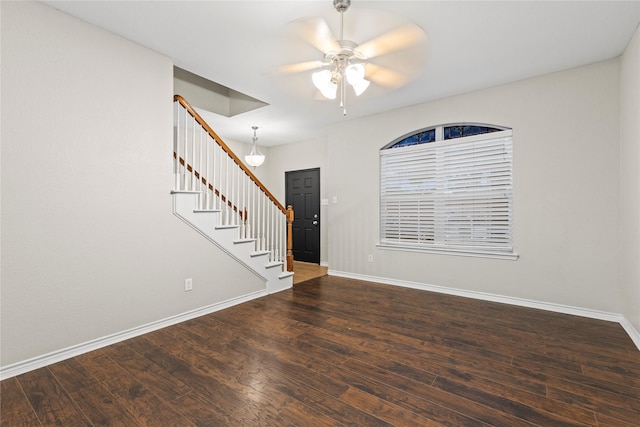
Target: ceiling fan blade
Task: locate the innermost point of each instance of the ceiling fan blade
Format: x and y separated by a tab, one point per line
385	76
299	67
403	37
317	33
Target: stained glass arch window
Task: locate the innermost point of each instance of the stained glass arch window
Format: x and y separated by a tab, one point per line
442	132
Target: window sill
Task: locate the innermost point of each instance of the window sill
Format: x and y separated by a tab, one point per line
512	256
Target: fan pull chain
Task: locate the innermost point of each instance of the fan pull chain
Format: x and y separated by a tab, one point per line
343	102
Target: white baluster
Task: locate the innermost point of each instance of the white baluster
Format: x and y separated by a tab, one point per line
274	236
234	190
202	195
187	149
216	174
270	229
226	193
252	213
244	204
221	158
256	213
184	182
187	161
176	162
278	235
265	223
214	169
238	200
207	175
234	193
260	221
231	175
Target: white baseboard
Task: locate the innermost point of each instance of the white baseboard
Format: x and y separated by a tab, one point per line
76	350
558	308
631	331
67	353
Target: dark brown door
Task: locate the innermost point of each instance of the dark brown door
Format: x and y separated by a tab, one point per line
303	194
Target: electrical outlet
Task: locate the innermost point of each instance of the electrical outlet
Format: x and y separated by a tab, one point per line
188	285
370	259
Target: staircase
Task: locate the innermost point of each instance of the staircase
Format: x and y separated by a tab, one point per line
219	197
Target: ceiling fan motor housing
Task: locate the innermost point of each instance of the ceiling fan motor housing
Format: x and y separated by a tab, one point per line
341	5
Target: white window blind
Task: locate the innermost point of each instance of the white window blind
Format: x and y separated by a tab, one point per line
450	196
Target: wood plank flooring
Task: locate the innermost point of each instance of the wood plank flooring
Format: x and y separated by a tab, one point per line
336	351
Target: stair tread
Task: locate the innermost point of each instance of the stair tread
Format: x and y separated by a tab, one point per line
273	264
259	253
205	210
224	227
285	274
185	192
248	240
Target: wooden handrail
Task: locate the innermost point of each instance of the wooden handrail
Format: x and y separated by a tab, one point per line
226	148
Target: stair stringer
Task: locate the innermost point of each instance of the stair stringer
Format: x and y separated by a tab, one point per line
225	237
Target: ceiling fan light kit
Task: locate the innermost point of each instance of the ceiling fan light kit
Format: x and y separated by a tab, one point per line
345	66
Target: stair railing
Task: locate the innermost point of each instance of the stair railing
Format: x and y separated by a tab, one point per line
203	163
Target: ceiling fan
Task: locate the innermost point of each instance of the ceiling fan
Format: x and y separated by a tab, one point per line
346	63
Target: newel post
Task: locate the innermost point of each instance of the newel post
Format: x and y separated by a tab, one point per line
289	238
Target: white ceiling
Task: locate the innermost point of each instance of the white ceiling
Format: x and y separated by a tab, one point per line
471	45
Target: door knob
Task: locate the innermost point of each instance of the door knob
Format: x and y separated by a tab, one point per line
315	223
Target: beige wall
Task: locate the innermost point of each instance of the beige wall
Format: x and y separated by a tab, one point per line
90	246
630	179
565	138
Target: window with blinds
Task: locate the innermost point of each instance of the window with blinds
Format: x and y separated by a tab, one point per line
452	195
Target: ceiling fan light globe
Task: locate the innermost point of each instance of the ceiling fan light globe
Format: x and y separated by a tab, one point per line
321	79
361	86
355	74
330	91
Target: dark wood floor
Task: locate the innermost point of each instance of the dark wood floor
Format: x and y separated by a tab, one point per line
335	351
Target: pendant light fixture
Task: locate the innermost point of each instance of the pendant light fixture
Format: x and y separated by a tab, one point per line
255	158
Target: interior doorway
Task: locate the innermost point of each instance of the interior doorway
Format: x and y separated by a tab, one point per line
303	194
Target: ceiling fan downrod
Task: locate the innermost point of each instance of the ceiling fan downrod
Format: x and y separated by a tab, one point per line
341	6
342	59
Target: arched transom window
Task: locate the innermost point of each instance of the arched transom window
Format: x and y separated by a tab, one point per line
448	189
